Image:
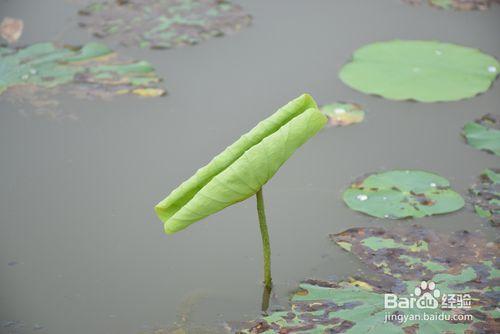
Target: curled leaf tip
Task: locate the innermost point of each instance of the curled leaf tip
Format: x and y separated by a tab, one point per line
244	167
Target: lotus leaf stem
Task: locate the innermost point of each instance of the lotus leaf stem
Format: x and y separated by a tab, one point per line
265	239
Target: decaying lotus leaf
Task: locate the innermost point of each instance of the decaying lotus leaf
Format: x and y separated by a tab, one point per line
402	193
343	114
484	133
89	70
11	29
425	71
461	5
485	196
414	252
344	307
241	170
463	264
161	24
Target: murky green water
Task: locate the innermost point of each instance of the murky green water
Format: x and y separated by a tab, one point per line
81	250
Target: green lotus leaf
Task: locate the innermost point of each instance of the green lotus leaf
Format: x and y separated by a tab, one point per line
484	133
425	71
399	259
485	196
161	24
460	5
244	167
343	114
402	193
91	69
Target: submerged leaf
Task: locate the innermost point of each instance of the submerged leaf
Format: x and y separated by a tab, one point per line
401	194
343	114
425	71
484	133
163	23
89	70
244	167
463	264
462	5
485	196
11	29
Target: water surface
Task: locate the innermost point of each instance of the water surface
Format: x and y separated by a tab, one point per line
81	250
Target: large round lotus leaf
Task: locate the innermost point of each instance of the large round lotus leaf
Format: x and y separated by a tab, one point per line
425	71
163	24
484	133
401	194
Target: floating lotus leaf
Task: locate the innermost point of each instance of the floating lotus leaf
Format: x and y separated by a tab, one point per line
357	305
425	71
401	194
485	196
344	307
343	114
462	5
92	69
484	133
244	167
413	253
163	23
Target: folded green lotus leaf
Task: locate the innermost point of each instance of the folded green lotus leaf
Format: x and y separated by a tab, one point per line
244	167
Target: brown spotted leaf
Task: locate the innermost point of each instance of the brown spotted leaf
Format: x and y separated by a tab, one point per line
91	70
406	261
162	24
400	194
485	195
11	29
459	5
343	114
414	252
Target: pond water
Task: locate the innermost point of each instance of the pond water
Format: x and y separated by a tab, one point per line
81	250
